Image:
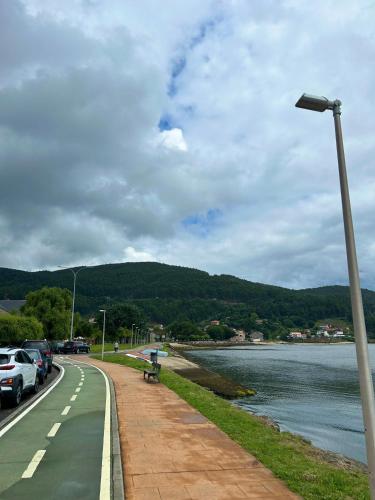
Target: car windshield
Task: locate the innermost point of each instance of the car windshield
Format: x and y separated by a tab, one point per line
36	345
33	353
4	359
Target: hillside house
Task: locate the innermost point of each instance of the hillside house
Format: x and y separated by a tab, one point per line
256	336
215	322
240	336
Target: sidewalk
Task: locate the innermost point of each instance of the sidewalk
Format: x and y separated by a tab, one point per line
171	452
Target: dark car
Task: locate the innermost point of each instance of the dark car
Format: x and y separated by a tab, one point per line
43	346
41	363
74	347
57	347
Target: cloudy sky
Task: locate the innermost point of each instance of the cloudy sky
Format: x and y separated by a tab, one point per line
165	130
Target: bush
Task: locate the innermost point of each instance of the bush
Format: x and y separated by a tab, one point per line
15	329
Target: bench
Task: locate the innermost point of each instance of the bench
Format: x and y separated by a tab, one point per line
153	373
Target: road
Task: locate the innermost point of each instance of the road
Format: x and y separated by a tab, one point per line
56	450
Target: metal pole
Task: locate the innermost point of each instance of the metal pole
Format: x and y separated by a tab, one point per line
365	377
74	298
103	334
131	342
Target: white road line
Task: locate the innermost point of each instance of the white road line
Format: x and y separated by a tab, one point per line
31	468
74	397
80	384
37	401
54	429
78	389
65	410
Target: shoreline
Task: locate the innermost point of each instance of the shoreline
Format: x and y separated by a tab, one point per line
219	385
330	457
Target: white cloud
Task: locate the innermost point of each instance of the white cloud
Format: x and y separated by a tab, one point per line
173	139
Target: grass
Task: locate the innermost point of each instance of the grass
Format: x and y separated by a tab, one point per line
302	467
109	347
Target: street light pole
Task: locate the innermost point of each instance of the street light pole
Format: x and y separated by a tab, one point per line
365	376
103	311
131	342
74	295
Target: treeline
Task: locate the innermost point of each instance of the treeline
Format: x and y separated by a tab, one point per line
168	293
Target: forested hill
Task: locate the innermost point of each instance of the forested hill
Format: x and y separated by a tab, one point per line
167	292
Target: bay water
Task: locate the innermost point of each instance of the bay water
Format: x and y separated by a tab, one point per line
307	389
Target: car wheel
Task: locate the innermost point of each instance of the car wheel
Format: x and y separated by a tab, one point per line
35	388
15	398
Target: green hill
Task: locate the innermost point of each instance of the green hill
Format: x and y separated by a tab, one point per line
167	293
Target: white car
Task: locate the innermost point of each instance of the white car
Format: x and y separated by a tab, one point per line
18	373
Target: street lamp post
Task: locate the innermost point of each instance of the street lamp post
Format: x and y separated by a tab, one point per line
131	342
103	311
74	295
321	104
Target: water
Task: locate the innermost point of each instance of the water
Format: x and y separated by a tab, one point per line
311	390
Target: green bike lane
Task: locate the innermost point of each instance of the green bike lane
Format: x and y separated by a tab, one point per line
41	459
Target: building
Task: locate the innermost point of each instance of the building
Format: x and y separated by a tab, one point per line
338	334
215	322
240	336
297	335
256	336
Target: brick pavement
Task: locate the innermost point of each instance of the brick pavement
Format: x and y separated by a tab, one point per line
171	452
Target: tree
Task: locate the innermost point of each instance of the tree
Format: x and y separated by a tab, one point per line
124	333
120	316
184	330
52	307
219	332
15	329
82	328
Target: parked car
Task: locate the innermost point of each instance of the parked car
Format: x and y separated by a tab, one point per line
75	346
41	363
18	373
57	347
43	346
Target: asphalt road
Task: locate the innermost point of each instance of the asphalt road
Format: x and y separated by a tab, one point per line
5	412
56	450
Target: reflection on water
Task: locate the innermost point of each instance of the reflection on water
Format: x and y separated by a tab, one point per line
311	390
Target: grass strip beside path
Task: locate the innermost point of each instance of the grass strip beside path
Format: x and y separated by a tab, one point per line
301	466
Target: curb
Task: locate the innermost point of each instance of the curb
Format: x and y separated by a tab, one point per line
117	492
29	402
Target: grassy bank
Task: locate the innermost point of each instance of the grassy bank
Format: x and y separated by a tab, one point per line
109	347
302	467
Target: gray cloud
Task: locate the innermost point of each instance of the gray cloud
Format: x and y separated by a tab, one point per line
86	176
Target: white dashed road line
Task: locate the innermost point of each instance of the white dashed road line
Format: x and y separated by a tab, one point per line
80	384
78	389
65	410
54	429
33	464
74	397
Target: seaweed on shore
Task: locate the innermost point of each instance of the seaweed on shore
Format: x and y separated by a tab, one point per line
215	382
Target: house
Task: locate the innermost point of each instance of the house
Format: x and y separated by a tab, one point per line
256	336
240	336
215	322
338	334
297	335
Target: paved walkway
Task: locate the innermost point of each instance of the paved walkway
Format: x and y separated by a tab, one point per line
171	452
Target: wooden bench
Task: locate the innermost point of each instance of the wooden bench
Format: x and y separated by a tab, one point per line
153	373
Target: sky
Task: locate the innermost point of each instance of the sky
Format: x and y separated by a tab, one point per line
167	131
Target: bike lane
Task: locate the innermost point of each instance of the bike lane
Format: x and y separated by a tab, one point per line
41	459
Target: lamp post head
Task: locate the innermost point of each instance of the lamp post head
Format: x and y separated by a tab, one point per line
102	310
315	103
